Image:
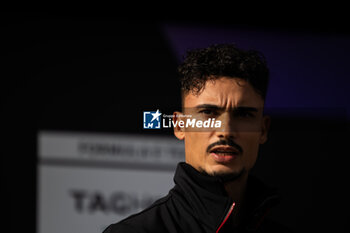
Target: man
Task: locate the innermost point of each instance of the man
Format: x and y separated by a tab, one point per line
213	190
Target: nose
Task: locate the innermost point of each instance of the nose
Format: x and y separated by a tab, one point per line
227	129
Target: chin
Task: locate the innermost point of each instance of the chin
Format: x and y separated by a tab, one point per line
224	173
221	169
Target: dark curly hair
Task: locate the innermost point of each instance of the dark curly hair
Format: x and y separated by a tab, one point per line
201	65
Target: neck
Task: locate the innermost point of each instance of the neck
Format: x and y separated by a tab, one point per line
236	190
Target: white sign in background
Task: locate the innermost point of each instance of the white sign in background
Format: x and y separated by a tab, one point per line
88	181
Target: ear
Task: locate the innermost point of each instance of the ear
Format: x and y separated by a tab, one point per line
265	126
179	132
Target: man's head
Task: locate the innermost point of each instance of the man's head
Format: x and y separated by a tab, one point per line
228	84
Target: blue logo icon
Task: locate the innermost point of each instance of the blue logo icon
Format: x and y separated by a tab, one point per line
151	120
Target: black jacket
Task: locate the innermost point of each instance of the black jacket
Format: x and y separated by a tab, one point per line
199	203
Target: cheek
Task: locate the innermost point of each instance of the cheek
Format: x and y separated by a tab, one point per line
195	146
250	145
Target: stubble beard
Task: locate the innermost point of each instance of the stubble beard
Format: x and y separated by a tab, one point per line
224	176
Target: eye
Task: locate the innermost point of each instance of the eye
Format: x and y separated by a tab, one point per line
244	114
207	112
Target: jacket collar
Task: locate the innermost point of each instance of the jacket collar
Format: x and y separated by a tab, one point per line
210	203
260	198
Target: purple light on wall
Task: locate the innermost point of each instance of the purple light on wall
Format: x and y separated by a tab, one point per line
307	71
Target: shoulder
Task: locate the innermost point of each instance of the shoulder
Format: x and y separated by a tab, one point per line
120	228
272	226
150	219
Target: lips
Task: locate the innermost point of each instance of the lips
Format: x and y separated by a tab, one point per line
224	150
224	154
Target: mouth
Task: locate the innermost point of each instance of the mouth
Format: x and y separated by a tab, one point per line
224	154
224	151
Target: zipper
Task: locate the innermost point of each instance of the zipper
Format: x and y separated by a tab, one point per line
226	217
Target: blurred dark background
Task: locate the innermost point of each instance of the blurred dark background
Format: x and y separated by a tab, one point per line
98	73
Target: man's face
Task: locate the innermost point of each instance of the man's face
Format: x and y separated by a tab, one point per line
233	148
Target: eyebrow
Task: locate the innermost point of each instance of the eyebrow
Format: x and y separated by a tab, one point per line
239	108
246	109
213	106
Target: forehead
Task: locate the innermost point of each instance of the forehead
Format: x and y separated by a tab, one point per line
225	92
